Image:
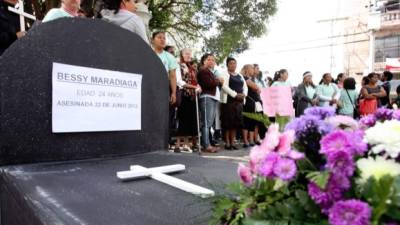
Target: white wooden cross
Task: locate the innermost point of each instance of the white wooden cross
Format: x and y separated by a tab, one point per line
19	9
159	174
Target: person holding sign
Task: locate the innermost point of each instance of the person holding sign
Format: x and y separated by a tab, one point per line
69	8
10	29
281	79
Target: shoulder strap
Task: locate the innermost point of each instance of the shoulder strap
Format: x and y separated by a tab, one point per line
350	99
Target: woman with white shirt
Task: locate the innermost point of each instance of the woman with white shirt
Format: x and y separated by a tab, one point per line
234	92
327	91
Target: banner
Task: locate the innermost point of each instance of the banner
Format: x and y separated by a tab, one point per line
277	101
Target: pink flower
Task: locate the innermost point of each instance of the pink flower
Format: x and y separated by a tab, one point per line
271	140
285	141
285	169
295	155
257	155
335	141
245	174
267	168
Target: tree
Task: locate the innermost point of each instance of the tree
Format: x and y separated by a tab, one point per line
224	26
240	21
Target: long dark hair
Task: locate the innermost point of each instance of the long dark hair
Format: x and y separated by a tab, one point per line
339	76
323	77
349	84
112	5
277	76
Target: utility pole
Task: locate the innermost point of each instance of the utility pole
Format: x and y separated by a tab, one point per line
332	23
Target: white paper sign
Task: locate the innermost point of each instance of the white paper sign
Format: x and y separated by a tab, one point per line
88	99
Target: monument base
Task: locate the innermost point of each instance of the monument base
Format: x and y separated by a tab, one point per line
89	193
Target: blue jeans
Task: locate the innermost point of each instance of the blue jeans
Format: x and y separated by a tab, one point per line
207	117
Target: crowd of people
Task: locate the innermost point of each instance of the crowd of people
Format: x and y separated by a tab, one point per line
208	102
223	96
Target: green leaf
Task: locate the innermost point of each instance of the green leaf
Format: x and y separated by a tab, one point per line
265	222
260	117
319	178
282	121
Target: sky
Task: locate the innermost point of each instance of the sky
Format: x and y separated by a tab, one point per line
295	36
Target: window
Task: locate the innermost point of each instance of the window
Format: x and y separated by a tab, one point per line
387	47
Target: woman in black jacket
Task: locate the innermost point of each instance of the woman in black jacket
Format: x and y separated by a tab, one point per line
305	94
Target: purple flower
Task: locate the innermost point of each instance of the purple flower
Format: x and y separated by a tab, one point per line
319	196
320	112
333	191
357	143
350	212
307	124
338	181
340	162
383	114
396	114
367	121
245	174
267	168
285	169
335	141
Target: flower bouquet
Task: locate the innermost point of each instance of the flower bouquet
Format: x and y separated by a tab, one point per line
322	169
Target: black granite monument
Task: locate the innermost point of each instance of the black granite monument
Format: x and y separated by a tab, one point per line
58	187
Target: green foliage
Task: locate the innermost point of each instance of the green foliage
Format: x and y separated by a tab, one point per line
237	22
229	24
319	178
266	202
383	196
260	117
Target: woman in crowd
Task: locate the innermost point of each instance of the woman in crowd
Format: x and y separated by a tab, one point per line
122	13
372	91
187	108
327	91
348	97
281	79
340	79
208	83
306	94
234	92
252	100
259	77
364	81
69	8
269	81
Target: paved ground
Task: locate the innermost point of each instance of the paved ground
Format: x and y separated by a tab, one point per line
240	155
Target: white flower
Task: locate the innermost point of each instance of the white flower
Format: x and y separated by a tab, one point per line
377	168
343	122
385	137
